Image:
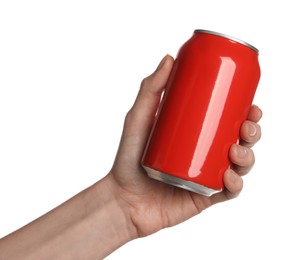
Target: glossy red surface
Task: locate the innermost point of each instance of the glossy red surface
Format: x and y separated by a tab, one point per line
207	98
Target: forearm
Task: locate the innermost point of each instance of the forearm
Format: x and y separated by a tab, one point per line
90	225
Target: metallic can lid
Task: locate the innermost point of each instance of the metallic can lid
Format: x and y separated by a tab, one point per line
228	37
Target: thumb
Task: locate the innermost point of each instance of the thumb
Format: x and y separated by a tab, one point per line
140	116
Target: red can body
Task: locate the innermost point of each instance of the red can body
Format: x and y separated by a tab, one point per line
207	98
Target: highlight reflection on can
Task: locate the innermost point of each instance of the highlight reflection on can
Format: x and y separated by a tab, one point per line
207	97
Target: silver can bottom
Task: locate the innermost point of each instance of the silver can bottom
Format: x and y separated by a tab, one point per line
187	185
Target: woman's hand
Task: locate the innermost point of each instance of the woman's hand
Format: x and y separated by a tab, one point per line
152	205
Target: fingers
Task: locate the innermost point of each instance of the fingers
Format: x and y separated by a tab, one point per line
255	114
242	159
233	186
241	156
250	133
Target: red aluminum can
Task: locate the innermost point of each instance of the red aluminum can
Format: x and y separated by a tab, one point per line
207	97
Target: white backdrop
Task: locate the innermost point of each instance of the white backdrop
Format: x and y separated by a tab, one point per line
70	70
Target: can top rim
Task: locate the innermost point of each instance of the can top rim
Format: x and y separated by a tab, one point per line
228	37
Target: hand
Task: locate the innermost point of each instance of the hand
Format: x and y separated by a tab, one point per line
126	204
152	205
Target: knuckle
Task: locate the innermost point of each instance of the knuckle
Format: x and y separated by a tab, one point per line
144	83
128	118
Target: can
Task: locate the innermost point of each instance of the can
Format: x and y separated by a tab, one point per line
207	97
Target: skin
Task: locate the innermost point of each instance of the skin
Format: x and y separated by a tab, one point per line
126	204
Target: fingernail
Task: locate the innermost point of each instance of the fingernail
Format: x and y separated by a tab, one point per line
241	151
161	64
252	130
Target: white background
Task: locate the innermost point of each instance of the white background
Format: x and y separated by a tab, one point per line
69	72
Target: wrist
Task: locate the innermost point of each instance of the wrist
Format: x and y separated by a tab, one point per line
114	212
